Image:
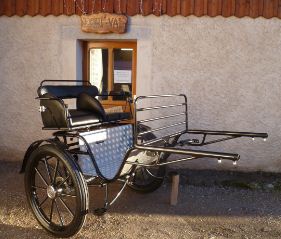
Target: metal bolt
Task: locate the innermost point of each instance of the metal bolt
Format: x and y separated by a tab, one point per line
42	108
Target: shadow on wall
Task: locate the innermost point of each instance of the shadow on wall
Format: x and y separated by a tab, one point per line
11	154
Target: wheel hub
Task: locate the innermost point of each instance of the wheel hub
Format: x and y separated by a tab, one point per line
51	192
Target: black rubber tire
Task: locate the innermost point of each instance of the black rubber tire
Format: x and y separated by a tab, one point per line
152	183
72	182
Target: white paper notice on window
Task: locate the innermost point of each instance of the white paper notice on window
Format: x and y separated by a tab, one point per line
122	76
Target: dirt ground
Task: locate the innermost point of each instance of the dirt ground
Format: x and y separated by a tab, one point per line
202	212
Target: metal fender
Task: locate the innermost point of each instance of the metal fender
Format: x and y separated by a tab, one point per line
35	145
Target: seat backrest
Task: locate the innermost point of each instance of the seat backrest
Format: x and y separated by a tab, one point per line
88	103
67	91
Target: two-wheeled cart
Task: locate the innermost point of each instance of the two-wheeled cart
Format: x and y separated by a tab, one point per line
92	147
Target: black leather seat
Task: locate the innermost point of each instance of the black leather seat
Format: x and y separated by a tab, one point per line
87	103
89	110
79	117
117	116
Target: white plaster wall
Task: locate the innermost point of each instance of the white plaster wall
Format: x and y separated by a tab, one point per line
230	69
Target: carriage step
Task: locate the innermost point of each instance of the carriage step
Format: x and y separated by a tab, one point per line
100	211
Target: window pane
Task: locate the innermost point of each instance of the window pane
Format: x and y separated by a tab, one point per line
122	74
99	68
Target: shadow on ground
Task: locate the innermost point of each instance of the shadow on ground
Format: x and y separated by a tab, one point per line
193	200
11	231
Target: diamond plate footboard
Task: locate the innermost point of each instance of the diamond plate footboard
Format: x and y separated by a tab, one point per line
108	146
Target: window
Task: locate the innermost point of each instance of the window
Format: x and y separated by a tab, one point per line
111	67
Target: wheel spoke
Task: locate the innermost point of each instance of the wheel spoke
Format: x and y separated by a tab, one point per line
41	176
67	207
56	171
52	209
67	195
65	171
48	169
38	187
45	199
135	177
152	175
61	183
142	173
60	217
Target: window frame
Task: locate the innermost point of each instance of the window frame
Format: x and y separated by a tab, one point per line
110	45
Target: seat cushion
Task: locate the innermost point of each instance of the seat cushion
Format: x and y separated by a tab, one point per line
117	116
80	117
86	102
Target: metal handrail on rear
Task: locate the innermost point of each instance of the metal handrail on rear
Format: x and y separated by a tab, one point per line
170	148
160	117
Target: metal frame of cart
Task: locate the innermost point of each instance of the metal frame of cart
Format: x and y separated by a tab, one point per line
54	163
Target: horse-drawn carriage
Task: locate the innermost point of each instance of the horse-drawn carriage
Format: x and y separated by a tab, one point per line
93	147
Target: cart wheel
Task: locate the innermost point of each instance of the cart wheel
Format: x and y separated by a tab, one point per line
147	180
56	191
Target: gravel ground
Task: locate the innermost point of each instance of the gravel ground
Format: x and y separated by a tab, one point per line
202	212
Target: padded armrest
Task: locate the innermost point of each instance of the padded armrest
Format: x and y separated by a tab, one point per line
55	113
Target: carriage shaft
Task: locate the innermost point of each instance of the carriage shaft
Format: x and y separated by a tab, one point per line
228	133
193	153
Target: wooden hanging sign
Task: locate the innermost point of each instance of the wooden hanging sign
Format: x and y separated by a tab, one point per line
103	23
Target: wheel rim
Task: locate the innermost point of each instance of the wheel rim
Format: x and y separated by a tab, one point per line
53	191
